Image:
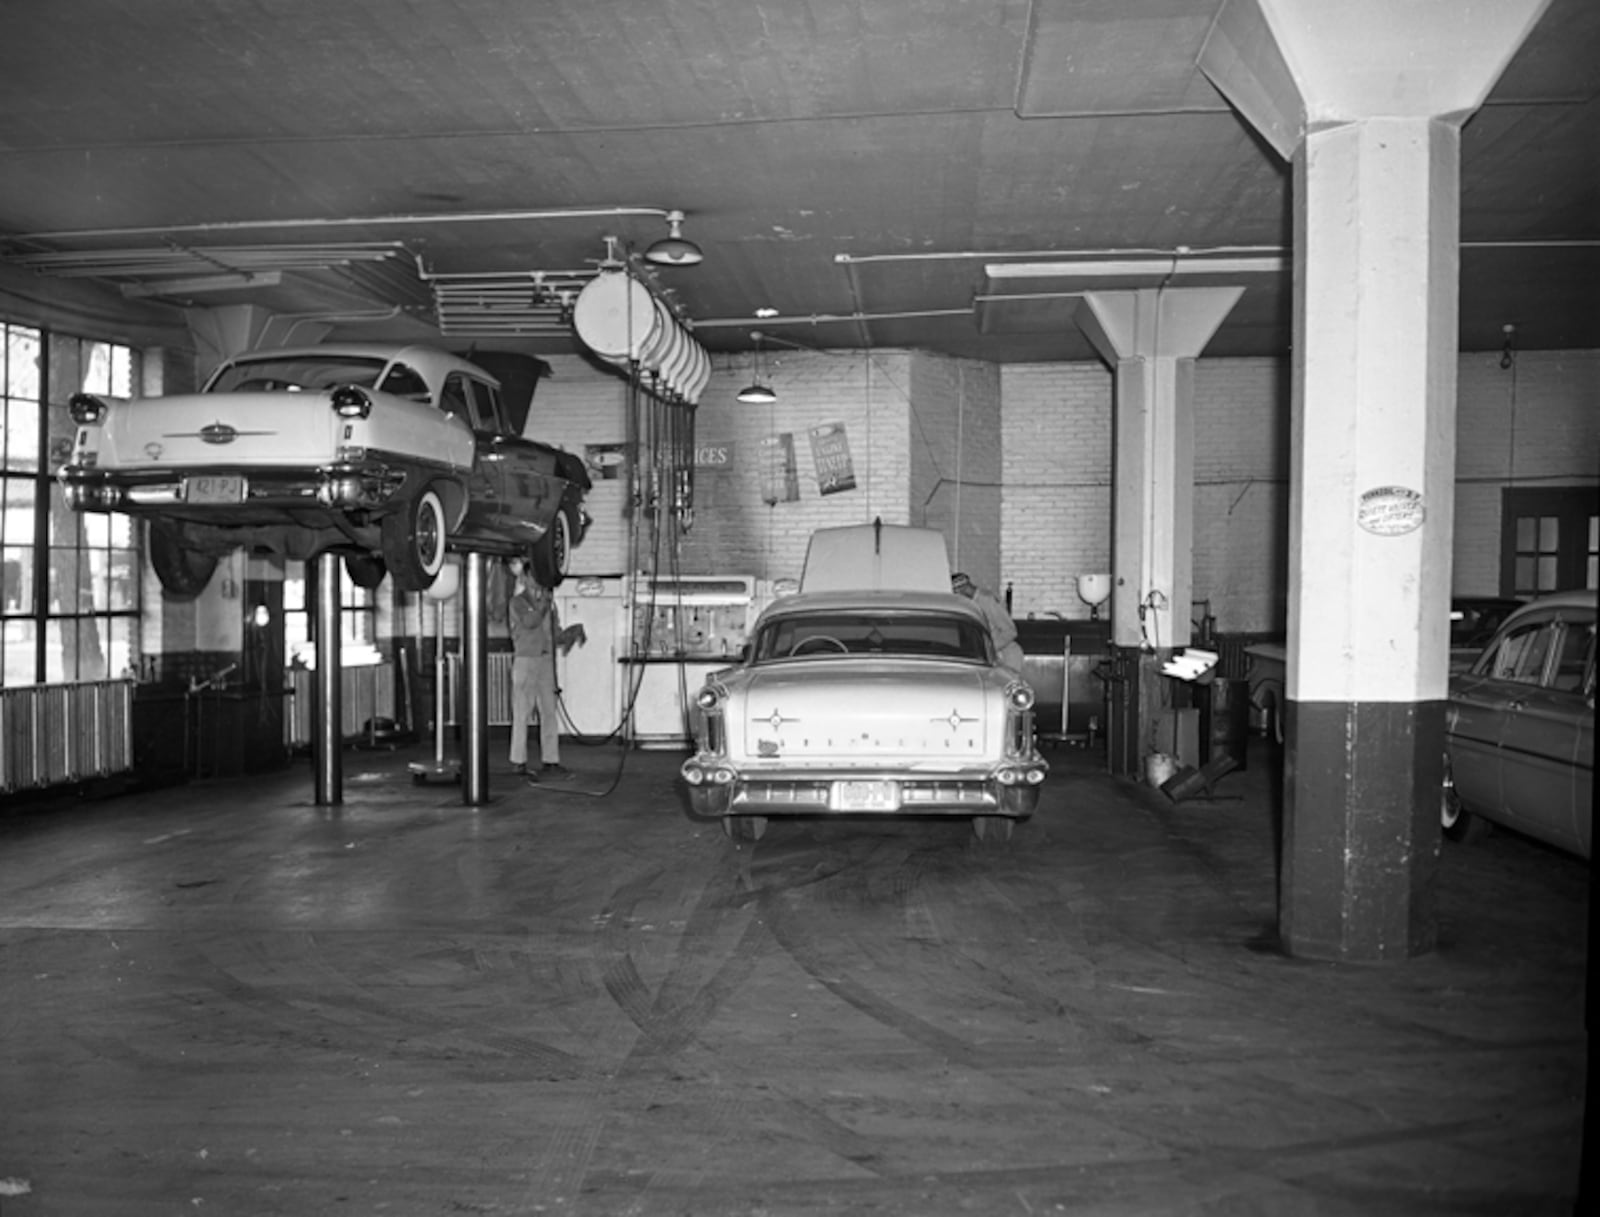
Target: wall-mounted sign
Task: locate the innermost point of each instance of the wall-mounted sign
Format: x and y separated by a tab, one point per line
1390	511
713	456
830	449
780	472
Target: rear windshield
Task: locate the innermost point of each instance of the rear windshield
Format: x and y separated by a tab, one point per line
907	635
302	373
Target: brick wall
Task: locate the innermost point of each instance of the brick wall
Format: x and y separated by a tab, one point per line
956	460
744	523
1536	423
1241	492
1056	472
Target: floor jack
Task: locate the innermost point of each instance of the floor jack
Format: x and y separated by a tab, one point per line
439	769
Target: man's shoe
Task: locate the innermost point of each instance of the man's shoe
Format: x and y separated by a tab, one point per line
552	770
519	768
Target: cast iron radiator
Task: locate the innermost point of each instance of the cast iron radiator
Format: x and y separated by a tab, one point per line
52	735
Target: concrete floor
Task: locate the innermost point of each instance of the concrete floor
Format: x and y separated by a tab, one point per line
223	999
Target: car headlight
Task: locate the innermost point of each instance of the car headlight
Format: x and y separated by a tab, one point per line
709	697
1019	696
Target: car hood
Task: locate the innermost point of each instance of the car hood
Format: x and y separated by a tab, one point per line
851	709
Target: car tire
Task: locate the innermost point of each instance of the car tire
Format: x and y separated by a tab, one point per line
182	571
365	570
414	541
552	553
745	828
1455	821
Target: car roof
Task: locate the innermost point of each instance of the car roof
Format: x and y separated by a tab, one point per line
871	601
430	361
1587	598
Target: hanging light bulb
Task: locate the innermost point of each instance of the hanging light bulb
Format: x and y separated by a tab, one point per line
674	249
756	393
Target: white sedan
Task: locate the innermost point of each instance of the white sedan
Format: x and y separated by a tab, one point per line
872	702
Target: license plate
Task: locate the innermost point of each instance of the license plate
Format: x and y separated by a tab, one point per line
866	796
214	488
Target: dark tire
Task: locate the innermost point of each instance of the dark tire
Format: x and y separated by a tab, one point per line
414	540
365	570
745	828
1457	823
183	572
552	553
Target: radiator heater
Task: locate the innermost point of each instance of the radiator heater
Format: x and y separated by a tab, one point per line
365	693
499	676
52	735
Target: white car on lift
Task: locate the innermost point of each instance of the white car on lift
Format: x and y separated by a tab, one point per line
874	691
388	454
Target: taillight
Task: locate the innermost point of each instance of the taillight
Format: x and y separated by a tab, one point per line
86	409
350	401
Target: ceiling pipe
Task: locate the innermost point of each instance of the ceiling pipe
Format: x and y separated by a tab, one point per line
462	217
829	318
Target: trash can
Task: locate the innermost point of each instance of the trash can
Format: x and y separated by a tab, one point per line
1230	721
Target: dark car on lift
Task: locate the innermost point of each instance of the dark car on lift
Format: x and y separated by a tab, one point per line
389	455
1519	728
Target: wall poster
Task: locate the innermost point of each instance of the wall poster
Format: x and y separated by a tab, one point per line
830	449
780	471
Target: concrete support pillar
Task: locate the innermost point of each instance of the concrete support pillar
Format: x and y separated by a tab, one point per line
1367	99
1151	338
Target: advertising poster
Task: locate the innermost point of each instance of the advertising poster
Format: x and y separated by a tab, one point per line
780	471
830	449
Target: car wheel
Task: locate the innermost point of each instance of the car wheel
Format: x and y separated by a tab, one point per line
414	541
1458	823
183	571
365	570
993	828
745	828
552	553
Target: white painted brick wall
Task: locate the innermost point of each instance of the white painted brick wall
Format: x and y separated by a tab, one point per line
1056	508
1536	424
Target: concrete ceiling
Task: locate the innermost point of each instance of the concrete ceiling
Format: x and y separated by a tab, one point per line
860	166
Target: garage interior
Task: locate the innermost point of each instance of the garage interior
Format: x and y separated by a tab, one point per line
1144	304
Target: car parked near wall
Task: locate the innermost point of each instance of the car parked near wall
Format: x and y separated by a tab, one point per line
391	455
876	691
1519	728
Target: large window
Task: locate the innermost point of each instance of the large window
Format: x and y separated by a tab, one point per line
69	584
357	617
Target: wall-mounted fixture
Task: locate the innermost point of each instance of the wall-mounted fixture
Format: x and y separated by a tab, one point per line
674	249
756	393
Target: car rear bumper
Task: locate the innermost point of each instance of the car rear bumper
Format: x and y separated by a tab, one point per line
1011	789
221	492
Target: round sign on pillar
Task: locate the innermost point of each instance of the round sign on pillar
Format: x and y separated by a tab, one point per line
1390	511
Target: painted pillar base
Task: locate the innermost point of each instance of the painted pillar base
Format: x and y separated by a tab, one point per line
1361	829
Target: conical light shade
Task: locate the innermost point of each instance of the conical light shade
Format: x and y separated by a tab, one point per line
674	249
757	394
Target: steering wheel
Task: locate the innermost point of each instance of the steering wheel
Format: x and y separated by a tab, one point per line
818	642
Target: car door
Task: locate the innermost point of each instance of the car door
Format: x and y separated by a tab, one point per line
1539	742
1480	704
